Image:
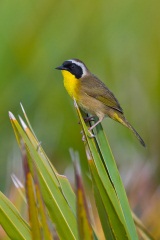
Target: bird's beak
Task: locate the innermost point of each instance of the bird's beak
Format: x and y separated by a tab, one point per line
60	68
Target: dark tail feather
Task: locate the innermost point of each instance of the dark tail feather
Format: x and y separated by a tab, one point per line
127	124
119	117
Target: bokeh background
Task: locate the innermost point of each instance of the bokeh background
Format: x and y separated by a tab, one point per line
120	42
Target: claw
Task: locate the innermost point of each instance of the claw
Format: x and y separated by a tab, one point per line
88	119
91	134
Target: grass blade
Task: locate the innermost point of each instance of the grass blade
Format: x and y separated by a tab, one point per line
31	197
84	226
117	227
11	221
59	210
103	172
113	172
142	229
60	180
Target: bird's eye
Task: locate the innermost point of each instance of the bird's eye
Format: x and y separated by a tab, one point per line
72	66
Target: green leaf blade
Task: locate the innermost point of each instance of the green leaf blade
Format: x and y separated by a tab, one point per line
118	229
111	166
59	210
11	221
84	225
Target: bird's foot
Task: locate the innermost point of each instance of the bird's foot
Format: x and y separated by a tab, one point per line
91	135
88	119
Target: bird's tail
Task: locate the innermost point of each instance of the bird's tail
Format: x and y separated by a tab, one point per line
127	124
124	121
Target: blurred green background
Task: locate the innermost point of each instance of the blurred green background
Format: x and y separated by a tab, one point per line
118	40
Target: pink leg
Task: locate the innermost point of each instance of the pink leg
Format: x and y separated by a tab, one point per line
100	120
90	129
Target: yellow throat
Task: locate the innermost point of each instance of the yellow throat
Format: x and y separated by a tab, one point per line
71	84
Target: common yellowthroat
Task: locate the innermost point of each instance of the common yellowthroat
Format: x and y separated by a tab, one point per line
92	95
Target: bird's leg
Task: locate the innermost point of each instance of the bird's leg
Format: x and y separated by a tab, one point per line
91	128
100	120
89	118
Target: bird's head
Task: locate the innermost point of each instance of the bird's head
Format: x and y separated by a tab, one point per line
75	67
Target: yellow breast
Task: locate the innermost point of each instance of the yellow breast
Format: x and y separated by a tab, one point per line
71	84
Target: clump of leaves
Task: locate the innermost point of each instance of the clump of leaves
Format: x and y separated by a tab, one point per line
54	210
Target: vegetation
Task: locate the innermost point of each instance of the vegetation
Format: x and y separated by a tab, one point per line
50	197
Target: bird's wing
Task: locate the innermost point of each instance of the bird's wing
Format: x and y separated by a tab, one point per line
93	87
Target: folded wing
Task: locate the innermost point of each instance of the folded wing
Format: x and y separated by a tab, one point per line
93	87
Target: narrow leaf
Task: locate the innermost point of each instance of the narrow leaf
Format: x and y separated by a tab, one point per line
100	167
113	172
103	174
117	227
103	215
84	226
31	198
67	192
142	229
59	210
11	221
42	213
61	180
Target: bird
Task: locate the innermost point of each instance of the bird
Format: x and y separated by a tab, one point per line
92	95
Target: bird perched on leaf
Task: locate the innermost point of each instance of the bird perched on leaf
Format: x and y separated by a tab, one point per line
92	95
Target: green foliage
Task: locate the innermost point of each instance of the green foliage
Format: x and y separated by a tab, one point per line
51	199
107	190
12	222
58	207
83	219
